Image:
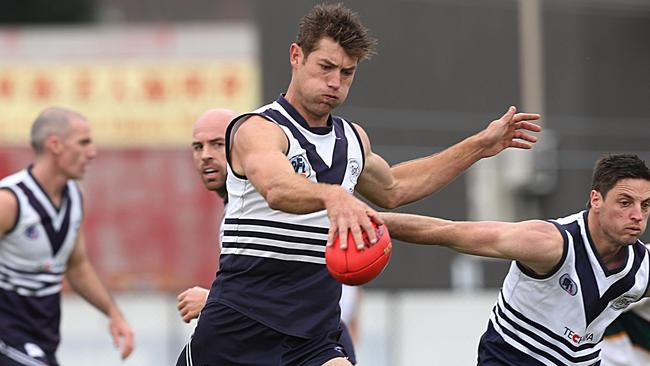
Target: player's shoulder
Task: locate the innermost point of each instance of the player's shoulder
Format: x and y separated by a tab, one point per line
255	116
361	134
8	209
357	126
257	125
13	179
8	187
259	133
7	198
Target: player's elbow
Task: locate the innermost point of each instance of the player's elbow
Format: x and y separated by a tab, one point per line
389	204
390	201
275	198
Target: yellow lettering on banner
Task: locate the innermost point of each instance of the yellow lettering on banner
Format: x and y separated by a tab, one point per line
143	103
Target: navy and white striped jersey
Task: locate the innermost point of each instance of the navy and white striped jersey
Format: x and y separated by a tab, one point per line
560	318
272	265
33	259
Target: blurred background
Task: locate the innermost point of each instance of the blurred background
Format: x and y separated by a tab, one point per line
143	71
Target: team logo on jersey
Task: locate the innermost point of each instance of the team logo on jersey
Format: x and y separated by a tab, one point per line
355	170
301	165
31	232
623	302
568	284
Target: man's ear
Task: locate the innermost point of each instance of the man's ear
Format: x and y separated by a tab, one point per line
596	199
54	144
295	54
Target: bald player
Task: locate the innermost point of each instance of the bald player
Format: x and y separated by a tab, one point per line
209	153
41	241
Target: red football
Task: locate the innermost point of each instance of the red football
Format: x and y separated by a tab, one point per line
356	267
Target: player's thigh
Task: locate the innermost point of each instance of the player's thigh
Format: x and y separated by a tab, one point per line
323	349
339	361
225	337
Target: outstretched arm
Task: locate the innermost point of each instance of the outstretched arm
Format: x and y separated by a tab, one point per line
191	302
391	187
83	279
536	244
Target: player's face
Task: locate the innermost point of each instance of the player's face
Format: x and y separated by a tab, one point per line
209	152
623	213
77	149
324	77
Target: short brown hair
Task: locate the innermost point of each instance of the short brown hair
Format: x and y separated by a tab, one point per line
339	23
612	168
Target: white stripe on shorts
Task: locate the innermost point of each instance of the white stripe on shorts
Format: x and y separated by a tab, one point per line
18	356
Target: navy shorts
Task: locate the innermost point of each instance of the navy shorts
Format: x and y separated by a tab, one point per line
226	337
14	356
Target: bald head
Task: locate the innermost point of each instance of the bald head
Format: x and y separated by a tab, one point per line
214	120
208	144
52	121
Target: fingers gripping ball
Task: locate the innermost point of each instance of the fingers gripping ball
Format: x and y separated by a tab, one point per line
356	267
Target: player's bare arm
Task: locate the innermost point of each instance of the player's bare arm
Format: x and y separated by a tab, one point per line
258	152
8	211
536	244
84	280
391	187
339	361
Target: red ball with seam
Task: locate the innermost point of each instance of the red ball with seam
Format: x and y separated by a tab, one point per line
357	267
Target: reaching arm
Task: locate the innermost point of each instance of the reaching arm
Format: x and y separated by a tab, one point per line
391	187
8	211
258	152
536	244
83	279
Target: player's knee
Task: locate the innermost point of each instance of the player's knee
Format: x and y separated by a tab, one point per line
339	361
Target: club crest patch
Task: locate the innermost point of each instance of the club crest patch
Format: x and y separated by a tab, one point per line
568	284
31	232
623	302
301	165
354	168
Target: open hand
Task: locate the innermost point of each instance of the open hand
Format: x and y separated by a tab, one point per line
511	130
347	212
122	335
